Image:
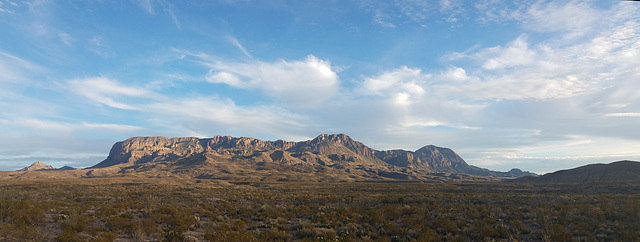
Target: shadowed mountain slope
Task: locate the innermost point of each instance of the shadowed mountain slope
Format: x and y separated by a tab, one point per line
616	171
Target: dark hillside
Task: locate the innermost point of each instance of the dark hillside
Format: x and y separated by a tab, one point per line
616	171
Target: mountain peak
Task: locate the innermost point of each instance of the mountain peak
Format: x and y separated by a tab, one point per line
335	144
334	137
37	166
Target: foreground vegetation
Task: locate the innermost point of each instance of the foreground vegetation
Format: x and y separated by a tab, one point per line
205	210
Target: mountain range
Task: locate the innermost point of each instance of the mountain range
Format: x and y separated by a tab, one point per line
326	157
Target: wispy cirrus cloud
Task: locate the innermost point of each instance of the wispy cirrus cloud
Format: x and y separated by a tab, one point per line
6	7
204	116
66	39
105	91
165	6
237	44
66	127
14	69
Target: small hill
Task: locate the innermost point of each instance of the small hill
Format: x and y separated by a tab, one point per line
593	173
37	166
65	168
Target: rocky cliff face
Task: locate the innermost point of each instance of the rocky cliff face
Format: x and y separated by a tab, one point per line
331	154
138	150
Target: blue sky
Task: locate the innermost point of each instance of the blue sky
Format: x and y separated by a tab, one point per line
538	85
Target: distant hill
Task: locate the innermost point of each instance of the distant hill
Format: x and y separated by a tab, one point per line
65	168
37	166
616	171
326	157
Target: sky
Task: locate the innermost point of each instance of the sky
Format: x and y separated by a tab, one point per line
536	85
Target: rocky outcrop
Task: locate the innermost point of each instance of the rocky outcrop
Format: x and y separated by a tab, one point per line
37	166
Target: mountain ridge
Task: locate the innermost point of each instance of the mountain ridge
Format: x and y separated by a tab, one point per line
327	155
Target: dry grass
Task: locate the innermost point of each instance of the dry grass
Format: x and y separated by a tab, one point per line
174	209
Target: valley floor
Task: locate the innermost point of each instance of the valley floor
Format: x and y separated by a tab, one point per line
108	209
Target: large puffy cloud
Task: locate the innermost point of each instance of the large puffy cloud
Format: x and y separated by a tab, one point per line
304	83
516	53
401	85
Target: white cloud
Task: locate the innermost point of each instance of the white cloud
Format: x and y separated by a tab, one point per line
571	19
28	139
575	18
66	39
223	116
99	46
549	71
182	115
534	91
104	91
37	124
15	69
446	4
401	87
623	114
166	7
455	74
547	156
147	6
382	19
117	128
5	9
169	11
416	10
516	53
237	44
402	80
299	83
